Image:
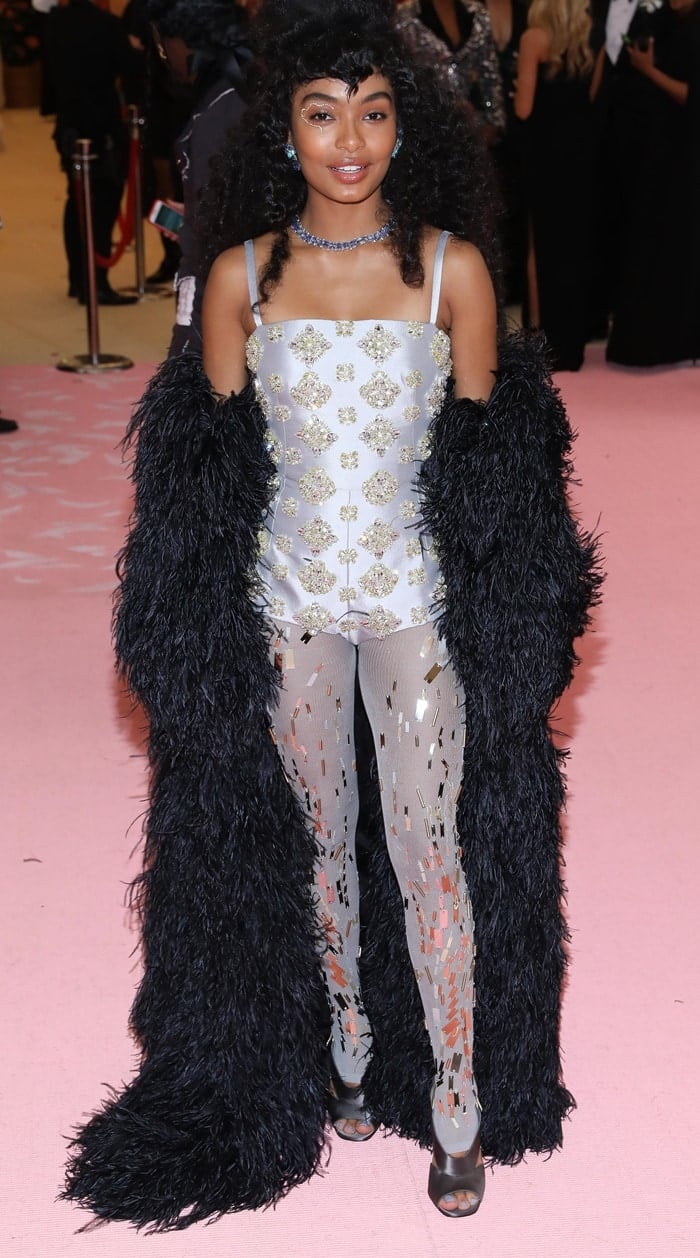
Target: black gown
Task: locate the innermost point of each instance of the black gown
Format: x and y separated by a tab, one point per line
656	293
559	147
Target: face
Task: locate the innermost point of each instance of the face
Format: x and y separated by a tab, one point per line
344	139
174	51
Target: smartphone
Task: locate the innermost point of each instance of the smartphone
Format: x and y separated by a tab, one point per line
165	217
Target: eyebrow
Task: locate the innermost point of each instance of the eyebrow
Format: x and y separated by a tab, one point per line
333	100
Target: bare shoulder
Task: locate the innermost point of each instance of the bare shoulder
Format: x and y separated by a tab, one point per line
466	281
228	273
468	313
536	42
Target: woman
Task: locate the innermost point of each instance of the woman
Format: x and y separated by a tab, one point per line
455	37
655	137
265	569
553	98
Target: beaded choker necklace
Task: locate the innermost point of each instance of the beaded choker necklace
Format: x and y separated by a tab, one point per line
340	246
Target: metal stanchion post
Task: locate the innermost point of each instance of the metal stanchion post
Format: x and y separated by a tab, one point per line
142	290
93	360
135	125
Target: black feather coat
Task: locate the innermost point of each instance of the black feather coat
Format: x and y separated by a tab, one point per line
227	1111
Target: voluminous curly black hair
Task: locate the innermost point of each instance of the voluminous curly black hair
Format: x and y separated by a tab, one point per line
441	176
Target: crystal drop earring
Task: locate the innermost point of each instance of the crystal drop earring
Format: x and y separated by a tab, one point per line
291	155
399	141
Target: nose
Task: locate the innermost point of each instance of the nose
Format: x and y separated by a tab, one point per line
349	138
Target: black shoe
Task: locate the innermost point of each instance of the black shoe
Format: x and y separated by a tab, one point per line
165	274
345	1103
450	1175
107	296
73	290
8	425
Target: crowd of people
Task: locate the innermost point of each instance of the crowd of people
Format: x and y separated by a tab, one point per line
590	114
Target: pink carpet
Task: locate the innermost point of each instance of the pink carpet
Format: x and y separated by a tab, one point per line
73	784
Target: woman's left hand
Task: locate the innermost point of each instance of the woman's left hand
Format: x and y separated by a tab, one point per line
642	58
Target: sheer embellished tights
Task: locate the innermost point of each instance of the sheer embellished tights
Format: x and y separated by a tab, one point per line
413	703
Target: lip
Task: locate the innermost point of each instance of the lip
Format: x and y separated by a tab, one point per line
349	172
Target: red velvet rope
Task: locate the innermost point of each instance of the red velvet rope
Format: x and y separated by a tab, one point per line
125	220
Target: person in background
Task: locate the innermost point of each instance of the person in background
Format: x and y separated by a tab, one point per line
553	99
652	100
165	106
508	19
454	36
87	51
204	43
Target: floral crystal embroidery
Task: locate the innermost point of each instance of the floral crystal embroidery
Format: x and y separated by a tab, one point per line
273	446
316	486
345	372
424	446
318	535
317	435
378	580
310	392
381	622
379	344
253	353
316	578
347	415
440	350
349	459
379	489
379	435
435	397
313	618
378	537
310	345
344	327
379	390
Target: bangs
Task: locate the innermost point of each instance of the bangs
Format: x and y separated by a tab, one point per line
345	54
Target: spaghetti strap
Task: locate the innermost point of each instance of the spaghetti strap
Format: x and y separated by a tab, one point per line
252	281
437	274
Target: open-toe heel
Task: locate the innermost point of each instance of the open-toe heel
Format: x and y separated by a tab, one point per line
450	1175
346	1103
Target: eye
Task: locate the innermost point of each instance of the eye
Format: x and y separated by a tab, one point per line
377	115
318	115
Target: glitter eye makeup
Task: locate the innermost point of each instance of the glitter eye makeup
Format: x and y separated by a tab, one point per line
317	114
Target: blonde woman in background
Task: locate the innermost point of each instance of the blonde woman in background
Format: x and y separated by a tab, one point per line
553	99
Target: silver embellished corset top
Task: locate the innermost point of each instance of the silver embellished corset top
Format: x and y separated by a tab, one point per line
348	406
